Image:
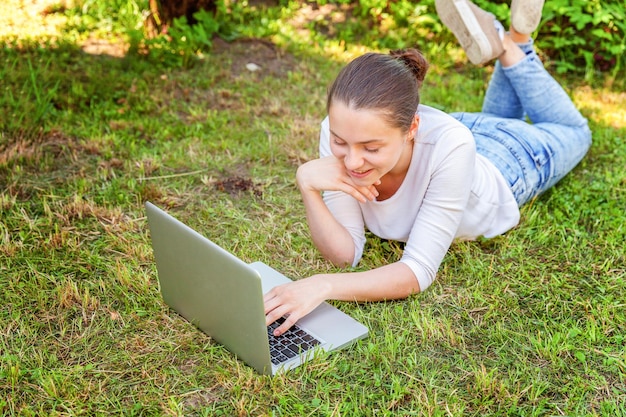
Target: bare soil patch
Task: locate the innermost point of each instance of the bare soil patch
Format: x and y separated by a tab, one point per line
245	54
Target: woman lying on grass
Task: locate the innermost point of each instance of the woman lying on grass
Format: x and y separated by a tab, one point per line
411	173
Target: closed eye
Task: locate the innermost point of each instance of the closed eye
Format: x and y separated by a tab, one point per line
340	142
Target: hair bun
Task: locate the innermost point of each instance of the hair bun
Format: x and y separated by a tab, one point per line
414	60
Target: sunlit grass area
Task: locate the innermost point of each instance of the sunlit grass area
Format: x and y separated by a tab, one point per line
527	324
605	105
30	20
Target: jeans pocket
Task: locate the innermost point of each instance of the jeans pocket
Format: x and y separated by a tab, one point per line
527	142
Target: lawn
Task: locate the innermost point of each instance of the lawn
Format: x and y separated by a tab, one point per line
532	323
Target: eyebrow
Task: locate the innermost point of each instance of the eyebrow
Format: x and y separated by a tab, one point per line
365	142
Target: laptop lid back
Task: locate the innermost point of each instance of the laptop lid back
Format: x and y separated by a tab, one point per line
211	288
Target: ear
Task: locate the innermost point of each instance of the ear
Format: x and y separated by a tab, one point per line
414	125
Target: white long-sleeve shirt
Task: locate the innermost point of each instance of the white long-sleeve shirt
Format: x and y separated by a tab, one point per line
449	192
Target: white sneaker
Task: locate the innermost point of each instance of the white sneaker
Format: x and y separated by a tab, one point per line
526	15
475	29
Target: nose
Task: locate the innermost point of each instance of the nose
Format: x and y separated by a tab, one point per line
353	160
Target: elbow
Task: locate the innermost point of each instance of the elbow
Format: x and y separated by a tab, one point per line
340	263
341	251
339	259
421	276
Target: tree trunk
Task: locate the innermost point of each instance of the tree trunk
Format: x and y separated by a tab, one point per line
163	12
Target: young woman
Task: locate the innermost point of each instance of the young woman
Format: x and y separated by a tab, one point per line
409	172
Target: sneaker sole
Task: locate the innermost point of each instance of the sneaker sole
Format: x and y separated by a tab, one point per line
526	15
459	18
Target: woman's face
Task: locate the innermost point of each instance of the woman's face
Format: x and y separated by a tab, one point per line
367	145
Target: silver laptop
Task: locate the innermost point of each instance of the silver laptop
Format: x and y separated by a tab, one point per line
223	296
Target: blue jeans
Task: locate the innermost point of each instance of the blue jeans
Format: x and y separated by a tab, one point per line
532	157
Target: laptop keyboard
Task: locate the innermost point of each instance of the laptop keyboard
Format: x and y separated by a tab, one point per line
289	344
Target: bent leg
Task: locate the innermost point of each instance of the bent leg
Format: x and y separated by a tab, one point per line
541	96
521	86
501	98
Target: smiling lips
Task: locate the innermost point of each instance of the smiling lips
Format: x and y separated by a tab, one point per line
360	174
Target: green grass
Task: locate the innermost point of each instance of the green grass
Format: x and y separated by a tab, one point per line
529	324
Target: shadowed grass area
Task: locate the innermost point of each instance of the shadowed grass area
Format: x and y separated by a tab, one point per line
531	323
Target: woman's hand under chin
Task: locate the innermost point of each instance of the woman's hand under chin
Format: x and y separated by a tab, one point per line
329	174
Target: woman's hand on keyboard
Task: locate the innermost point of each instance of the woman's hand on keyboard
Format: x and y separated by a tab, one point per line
294	300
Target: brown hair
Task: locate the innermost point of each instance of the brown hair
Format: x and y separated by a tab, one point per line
387	83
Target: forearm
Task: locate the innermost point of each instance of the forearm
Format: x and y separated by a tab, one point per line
329	236
298	298
389	282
